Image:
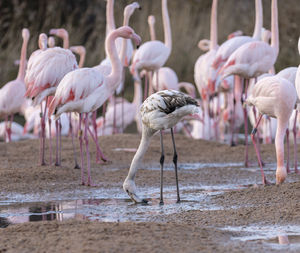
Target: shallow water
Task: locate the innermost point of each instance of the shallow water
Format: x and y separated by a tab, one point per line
269	235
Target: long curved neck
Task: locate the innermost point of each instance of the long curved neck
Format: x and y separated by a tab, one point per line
110	20
274	27
66	41
258	20
138	97
115	76
190	88
22	66
139	155
152	31
167	27
81	60
213	26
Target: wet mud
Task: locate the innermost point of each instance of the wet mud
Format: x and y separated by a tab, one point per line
224	206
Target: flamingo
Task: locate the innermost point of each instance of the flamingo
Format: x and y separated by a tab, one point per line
130	113
12	93
51	41
162	110
275	97
290	74
229	46
86	89
44	72
153	54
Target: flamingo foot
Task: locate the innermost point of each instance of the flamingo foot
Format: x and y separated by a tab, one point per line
232	144
104	162
76	167
266	182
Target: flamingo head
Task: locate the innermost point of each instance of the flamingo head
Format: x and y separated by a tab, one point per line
43	40
59	32
25	34
51	41
281	175
127	32
235	34
151	20
204	45
129	9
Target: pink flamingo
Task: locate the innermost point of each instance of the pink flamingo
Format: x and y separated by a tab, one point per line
152	55
43	75
290	74
229	46
130	113
86	89
80	50
275	97
12	93
253	59
160	111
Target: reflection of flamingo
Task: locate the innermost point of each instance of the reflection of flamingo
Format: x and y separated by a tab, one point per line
160	111
275	97
12	93
85	90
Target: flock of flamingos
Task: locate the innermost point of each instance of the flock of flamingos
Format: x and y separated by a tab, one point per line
236	82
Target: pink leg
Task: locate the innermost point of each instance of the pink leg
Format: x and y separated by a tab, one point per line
94	117
9	127
59	125
257	152
103	114
233	122
99	152
150	91
57	142
288	150
258	144
86	139
73	144
246	125
81	149
115	115
6	128
123	110
43	135
50	141
146	87
295	143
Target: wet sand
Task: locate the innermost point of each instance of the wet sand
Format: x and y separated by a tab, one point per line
204	229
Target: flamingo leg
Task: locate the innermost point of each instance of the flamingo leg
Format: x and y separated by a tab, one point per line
94	117
73	144
9	127
99	152
50	141
6	128
295	143
146	87
258	144
175	164
59	121
150	91
57	140
123	110
232	143
288	150
86	139
115	115
81	149
246	125
264	180
103	114
43	116
161	161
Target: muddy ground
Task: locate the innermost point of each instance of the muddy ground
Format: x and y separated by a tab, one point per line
247	204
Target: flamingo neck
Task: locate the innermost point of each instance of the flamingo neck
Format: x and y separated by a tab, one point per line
138	97
258	20
115	76
110	20
167	27
152	31
22	66
66	41
190	88
274	27
214	26
81	60
139	155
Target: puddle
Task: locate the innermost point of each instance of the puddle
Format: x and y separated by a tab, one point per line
275	236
